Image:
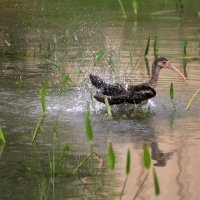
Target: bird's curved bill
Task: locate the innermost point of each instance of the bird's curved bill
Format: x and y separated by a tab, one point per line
178	72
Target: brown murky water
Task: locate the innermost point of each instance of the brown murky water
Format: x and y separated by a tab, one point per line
69	34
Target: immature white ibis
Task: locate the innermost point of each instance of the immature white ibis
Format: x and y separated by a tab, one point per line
133	94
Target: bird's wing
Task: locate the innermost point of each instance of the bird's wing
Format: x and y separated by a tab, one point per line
141	92
136	97
106	89
97	81
116	99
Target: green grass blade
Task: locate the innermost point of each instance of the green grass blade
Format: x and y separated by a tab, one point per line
111	157
37	128
192	98
43	92
122	9
43	189
146	158
108	108
1	149
99	55
2	138
185	48
128	162
155	48
88	125
64	82
185	61
147	46
156	183
58	67
171	91
64	151
135	7
141	186
147	65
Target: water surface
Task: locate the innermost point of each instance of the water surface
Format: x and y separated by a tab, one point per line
70	33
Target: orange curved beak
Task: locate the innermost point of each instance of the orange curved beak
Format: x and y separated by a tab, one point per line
178	72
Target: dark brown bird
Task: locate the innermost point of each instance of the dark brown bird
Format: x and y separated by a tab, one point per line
134	94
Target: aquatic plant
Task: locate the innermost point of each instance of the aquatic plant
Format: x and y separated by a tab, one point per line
38	126
146	158
147	46
179	6
155	48
99	55
2	138
108	108
111	165
58	157
111	157
156	183
43	92
89	135
147	65
191	99
128	168
185	61
43	189
122	9
63	76
135	7
147	165
185	48
88	125
171	92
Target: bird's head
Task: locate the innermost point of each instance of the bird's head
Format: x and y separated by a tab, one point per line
161	62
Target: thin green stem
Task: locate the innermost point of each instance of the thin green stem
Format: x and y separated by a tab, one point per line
140	186
122	8
190	101
124	185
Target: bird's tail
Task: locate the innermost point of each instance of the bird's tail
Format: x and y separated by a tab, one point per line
97	81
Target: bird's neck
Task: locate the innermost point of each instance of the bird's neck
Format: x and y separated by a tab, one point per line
154	76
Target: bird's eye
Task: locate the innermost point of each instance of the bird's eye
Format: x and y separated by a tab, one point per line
164	62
